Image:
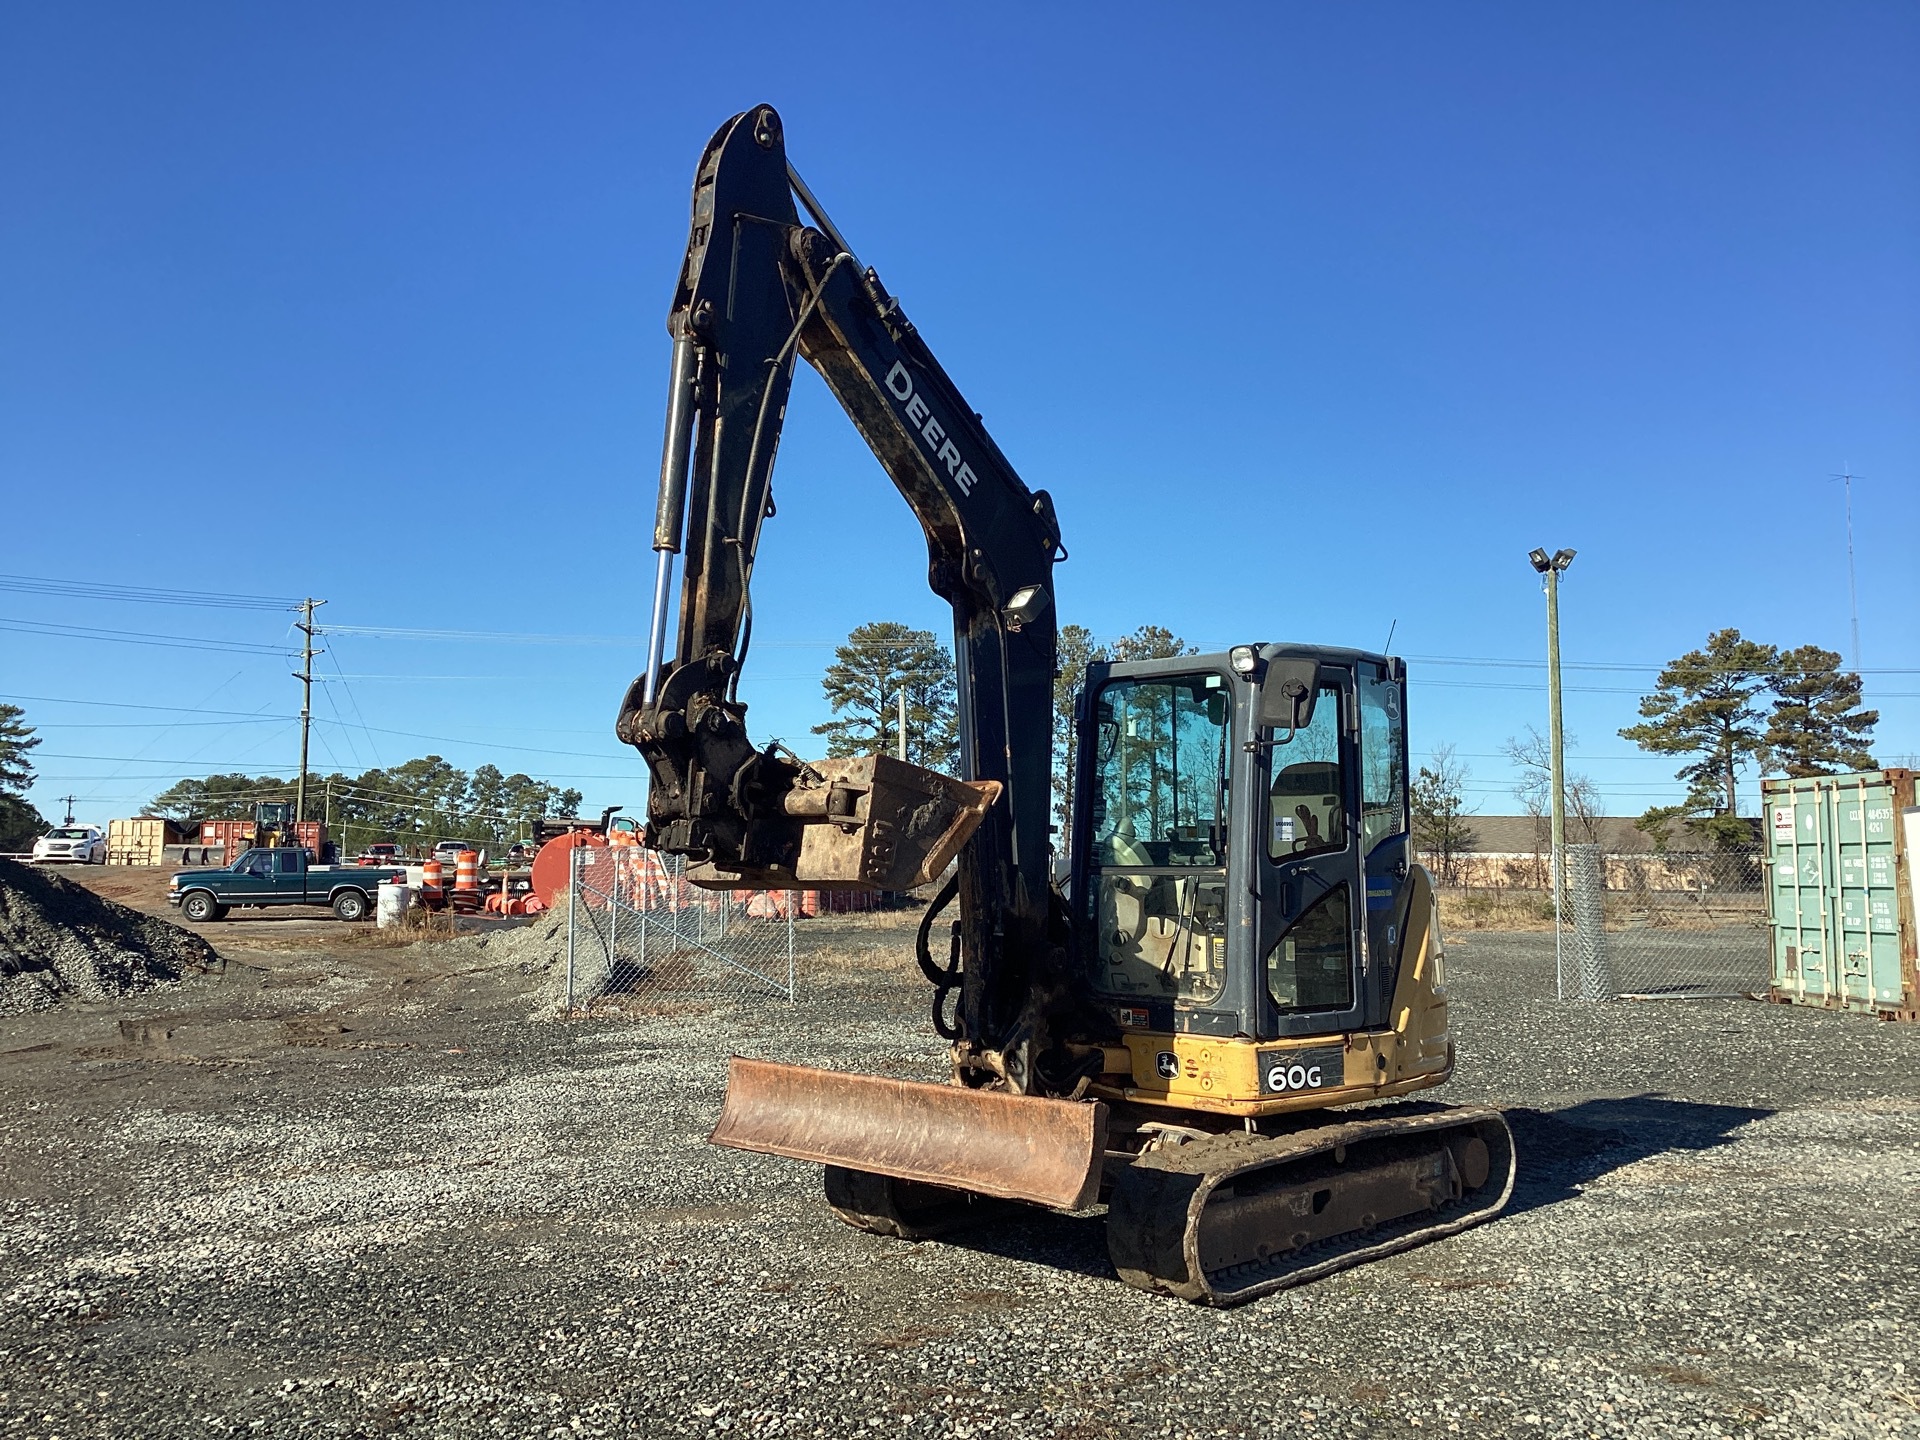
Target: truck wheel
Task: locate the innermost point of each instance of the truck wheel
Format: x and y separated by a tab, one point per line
350	905
200	907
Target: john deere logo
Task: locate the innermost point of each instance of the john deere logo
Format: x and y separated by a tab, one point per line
1167	1064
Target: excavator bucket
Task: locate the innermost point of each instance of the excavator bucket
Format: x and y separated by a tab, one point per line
866	823
987	1142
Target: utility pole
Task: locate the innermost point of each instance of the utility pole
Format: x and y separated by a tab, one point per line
1550	567
901	741
305	676
1846	478
69	799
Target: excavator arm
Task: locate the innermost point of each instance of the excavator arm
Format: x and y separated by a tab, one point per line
759	289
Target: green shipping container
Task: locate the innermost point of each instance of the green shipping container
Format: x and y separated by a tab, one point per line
1840	893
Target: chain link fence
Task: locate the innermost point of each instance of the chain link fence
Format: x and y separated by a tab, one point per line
1662	926
639	933
1640	925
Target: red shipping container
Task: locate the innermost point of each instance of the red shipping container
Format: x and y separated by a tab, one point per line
237	835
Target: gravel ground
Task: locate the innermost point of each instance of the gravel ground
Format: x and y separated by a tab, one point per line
355	1191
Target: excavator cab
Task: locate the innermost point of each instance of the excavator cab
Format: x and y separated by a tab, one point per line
1239	841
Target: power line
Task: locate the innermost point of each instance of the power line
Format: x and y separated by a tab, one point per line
131	705
145	595
155	724
55	630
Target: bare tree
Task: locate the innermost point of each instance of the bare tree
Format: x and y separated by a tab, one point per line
1532	754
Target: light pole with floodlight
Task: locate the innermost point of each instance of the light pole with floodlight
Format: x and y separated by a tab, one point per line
1550	567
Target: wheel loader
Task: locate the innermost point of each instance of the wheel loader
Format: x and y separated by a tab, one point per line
1193	1023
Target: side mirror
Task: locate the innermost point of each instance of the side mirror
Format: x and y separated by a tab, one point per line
1287	695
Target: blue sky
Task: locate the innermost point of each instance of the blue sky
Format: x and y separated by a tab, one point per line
1313	319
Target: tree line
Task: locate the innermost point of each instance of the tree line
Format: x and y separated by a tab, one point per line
414	804
1733	704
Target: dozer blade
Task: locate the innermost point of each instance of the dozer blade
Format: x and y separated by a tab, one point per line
1227	1219
988	1142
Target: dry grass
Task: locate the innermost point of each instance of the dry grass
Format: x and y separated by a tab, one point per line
1462	908
892	960
1465	908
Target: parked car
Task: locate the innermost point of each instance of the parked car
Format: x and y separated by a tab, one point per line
448	852
277	877
74	844
381	852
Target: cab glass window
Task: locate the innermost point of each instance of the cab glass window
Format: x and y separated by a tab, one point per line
1160	772
1159	851
1383	764
1307	810
1311	968
289	862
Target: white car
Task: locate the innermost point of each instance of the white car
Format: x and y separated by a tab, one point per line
78	844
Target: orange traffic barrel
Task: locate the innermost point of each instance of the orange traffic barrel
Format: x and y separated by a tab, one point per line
431	877
466	880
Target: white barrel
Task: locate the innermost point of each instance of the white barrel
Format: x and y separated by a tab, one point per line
395	898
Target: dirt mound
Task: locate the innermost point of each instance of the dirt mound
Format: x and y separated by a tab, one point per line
59	940
536	947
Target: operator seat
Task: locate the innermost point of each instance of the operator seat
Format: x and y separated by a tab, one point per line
1125	895
1307	814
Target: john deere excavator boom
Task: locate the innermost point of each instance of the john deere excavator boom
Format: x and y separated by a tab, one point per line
1244	942
757	289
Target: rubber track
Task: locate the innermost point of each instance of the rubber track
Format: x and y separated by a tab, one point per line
1154	1214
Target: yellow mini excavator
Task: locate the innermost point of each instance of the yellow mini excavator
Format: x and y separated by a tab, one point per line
1241	940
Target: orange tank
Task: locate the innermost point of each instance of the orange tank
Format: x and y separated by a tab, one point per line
550	866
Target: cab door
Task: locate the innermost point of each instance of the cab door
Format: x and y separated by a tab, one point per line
1381	693
249	879
290	874
1312	884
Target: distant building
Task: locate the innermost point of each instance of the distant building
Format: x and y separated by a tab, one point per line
1512	850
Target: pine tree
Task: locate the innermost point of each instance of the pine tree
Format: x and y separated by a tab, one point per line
1707	704
1440	825
1077	650
16	739
863	685
1817	726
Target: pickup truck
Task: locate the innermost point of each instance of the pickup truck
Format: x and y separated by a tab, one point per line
278	877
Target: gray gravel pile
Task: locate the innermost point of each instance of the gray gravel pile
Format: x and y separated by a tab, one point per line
59	940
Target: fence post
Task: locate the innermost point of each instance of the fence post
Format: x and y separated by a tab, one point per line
792	992
1590	922
1559	966
573	897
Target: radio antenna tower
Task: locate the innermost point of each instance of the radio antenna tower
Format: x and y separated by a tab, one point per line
1846	478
